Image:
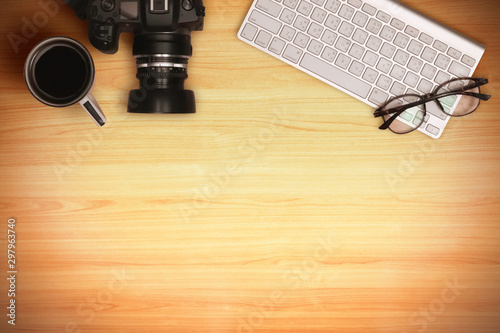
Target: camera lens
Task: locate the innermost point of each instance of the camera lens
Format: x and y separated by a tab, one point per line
162	63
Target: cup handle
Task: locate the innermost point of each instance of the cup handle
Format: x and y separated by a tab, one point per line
90	105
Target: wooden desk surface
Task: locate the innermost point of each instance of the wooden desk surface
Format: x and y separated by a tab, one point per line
279	207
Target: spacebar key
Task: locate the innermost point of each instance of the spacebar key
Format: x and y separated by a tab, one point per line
335	75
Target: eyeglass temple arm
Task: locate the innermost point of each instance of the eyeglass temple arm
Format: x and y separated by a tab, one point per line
389	121
482	97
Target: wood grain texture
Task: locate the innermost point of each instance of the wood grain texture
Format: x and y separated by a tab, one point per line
279	207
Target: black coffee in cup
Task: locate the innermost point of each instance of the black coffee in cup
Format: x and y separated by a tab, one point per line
60	72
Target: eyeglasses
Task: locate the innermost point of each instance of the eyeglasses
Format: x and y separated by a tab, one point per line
406	113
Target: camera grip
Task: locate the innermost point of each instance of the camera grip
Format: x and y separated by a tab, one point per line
103	37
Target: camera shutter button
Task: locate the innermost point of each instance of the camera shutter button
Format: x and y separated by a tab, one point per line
187	4
108	5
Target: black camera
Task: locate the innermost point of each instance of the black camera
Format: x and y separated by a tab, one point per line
162	46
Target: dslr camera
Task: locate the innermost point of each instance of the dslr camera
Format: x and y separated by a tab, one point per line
162	46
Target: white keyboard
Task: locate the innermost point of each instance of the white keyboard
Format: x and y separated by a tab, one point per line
370	49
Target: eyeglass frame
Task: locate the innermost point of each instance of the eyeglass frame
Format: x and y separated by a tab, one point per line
430	97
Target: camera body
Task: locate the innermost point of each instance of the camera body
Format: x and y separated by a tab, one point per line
162	46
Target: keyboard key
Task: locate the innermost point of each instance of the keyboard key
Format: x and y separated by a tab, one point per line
384	82
426	38
384	65
292	54
287	16
434	109
301	23
287	33
315	47
342	44
316	2
401	40
370	58
398	24
412	92
346	29
388	50
332	5
263	39
398	72
277	45
469	61
374	26
305	8
397	89
442	61
343	61
429	71
401	57
415	47
356	51
329	54
346	12
360	19
425	86
369	9
329	37
335	76
406	116
458	69
429	54
418	118
411	79
374	43
454	53
426	119
412	31
378	97
356	68
387	33
355	3
318	15
301	40
432	129
249	31
291	3
360	36
448	100
270	7
265	22
415	64
383	16
370	75
332	22
315	30
442	77
440	46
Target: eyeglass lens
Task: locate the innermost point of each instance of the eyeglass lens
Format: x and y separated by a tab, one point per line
413	118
